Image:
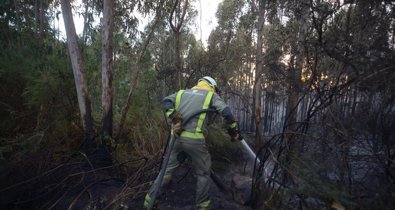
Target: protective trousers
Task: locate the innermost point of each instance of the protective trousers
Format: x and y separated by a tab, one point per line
201	162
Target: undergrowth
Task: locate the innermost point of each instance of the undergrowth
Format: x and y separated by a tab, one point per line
222	150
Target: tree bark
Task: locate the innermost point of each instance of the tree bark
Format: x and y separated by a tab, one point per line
107	70
178	59
257	89
79	75
36	16
177	33
86	22
295	73
42	19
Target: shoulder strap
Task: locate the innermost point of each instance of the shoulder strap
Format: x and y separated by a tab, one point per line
178	98
202	116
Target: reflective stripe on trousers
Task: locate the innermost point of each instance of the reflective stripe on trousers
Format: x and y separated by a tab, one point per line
204	205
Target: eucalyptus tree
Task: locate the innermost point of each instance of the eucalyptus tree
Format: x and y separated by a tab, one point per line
162	50
159	9
223	49
358	51
107	64
26	40
336	62
26	16
107	69
79	75
277	37
195	61
41	7
294	75
178	12
259	8
242	51
170	47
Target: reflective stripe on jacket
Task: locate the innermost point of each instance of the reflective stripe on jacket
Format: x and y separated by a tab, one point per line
188	102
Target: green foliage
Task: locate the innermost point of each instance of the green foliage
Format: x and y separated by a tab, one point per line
316	180
51	82
345	41
38	119
145	136
36	85
14	62
92	61
15	151
145	132
222	150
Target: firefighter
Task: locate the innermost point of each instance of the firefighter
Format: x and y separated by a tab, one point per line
190	137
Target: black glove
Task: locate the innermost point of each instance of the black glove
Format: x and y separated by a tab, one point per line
175	117
176	121
177	129
234	134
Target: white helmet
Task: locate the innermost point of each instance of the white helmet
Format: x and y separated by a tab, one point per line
210	81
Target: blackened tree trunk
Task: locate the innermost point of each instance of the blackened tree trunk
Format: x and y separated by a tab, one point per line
107	70
79	75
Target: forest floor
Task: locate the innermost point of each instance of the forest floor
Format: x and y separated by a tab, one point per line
74	185
180	195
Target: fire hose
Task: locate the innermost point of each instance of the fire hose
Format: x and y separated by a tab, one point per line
170	148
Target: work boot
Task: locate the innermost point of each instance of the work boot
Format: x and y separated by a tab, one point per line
147	200
204	205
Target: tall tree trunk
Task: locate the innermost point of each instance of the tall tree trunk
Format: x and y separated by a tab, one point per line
248	102
42	19
36	16
178	59
266	115
39	18
295	82
135	75
258	73
295	71
177	33
78	71
107	71
18	23
86	22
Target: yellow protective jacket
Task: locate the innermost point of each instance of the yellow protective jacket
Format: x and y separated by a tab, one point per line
190	101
